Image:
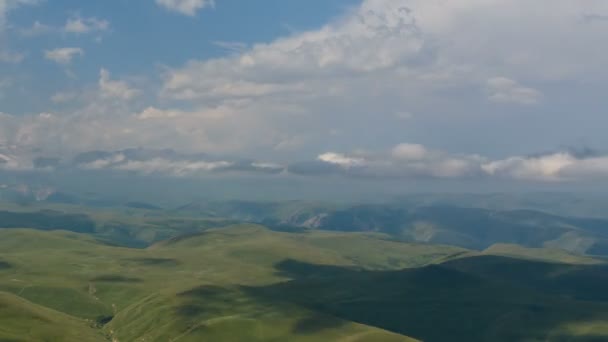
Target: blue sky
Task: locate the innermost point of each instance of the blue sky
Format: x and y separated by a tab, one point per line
143	36
464	89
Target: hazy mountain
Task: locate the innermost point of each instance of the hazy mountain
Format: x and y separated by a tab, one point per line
466	227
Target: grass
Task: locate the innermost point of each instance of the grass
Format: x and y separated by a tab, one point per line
140	288
540	254
249	283
454	301
24	321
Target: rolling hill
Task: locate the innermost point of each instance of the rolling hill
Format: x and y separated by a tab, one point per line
247	282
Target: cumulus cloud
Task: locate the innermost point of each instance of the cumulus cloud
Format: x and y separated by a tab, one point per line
409	152
186	7
559	166
115	89
73	25
386	55
341	160
356	73
505	90
168	163
373	38
81	25
417	161
13	158
63	55
416	39
402	161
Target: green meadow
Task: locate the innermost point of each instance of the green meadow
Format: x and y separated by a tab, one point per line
246	282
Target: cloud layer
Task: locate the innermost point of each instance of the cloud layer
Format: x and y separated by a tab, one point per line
404	161
384	71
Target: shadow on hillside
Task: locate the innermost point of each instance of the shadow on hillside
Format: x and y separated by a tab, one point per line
160	262
208	302
5	265
48	220
114	278
465	300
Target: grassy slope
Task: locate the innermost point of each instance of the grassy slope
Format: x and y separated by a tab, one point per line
542	254
249	283
468	299
74	274
28	322
121	226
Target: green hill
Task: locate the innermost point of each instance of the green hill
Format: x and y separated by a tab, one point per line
24	321
249	283
457	301
149	293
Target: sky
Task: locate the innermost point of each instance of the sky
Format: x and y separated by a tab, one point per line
469	90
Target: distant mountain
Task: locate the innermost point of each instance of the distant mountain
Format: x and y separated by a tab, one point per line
475	228
465	227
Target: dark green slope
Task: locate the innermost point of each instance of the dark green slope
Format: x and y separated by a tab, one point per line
249	283
159	293
457	301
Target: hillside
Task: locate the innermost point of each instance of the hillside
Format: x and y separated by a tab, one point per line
113	286
27	322
248	282
460	300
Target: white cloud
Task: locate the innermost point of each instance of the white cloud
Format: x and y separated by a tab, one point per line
406	161
73	25
63	55
341	160
115	89
104	163
559	166
356	73
409	152
430	40
186	7
176	168
81	25
428	56
505	90
366	41
414	161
